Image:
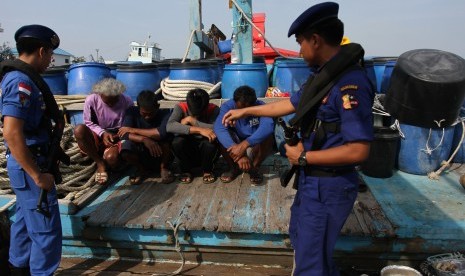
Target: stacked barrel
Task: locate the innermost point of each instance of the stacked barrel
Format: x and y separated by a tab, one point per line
424	94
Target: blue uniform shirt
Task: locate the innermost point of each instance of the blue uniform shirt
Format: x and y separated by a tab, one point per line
253	129
349	102
20	98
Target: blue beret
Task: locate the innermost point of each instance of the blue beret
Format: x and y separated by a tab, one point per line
314	15
39	32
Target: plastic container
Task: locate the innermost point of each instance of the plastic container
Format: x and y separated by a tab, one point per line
139	77
235	75
383	153
56	80
82	76
399	270
290	74
387	76
426	87
224	46
413	157
75	118
196	71
448	264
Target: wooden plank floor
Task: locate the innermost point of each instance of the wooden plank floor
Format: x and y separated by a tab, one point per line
233	207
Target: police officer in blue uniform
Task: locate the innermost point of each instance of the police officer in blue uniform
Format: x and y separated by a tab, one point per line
35	247
336	130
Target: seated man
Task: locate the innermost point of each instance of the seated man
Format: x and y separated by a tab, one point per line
248	142
195	141
144	140
103	115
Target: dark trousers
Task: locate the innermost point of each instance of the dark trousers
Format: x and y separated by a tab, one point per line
192	150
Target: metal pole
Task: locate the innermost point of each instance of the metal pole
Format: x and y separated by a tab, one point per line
243	31
195	24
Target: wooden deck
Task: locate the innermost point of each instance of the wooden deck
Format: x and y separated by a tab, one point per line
236	207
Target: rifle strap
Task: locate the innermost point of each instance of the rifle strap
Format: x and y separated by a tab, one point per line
51	107
318	85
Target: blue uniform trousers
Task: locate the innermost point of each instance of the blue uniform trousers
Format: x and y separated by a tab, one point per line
320	209
35	239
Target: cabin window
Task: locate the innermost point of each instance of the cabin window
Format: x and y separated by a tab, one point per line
140	51
66	60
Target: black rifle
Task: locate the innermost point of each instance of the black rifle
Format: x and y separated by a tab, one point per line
54	156
291	138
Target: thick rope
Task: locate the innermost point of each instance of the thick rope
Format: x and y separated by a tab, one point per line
178	249
435	175
176	90
188	46
78	178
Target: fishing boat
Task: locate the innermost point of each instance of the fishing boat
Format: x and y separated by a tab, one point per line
402	218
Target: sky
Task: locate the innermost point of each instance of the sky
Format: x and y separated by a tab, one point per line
383	28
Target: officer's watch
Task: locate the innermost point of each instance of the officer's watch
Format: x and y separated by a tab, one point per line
303	159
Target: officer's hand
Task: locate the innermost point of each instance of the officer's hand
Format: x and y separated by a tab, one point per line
244	163
153	147
230	118
108	139
45	181
293	153
123	130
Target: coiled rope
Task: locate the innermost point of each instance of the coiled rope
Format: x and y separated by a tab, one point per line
78	178
176	90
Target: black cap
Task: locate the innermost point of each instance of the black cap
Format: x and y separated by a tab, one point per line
314	15
39	32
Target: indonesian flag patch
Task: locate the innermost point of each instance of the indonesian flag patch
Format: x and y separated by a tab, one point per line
24	93
24	88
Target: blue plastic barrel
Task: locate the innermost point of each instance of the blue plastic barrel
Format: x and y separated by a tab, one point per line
236	74
82	76
56	80
138	77
76	117
163	70
387	76
413	157
290	74
197	71
370	70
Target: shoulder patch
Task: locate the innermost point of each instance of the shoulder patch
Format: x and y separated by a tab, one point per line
349	87
349	102
25	88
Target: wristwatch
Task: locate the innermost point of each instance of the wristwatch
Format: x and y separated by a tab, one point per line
303	159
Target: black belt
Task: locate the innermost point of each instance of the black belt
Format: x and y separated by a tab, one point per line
312	171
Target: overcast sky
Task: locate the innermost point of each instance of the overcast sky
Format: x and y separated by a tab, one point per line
384	28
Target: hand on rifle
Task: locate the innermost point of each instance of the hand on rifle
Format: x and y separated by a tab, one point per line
45	181
293	153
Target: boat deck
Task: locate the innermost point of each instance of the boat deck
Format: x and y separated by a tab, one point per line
402	219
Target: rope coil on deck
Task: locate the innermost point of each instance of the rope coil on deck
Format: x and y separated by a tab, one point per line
77	178
177	89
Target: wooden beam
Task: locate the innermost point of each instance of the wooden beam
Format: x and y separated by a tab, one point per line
243	31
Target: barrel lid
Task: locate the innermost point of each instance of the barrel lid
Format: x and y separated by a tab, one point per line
383	59
433	65
137	67
54	71
189	65
90	64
